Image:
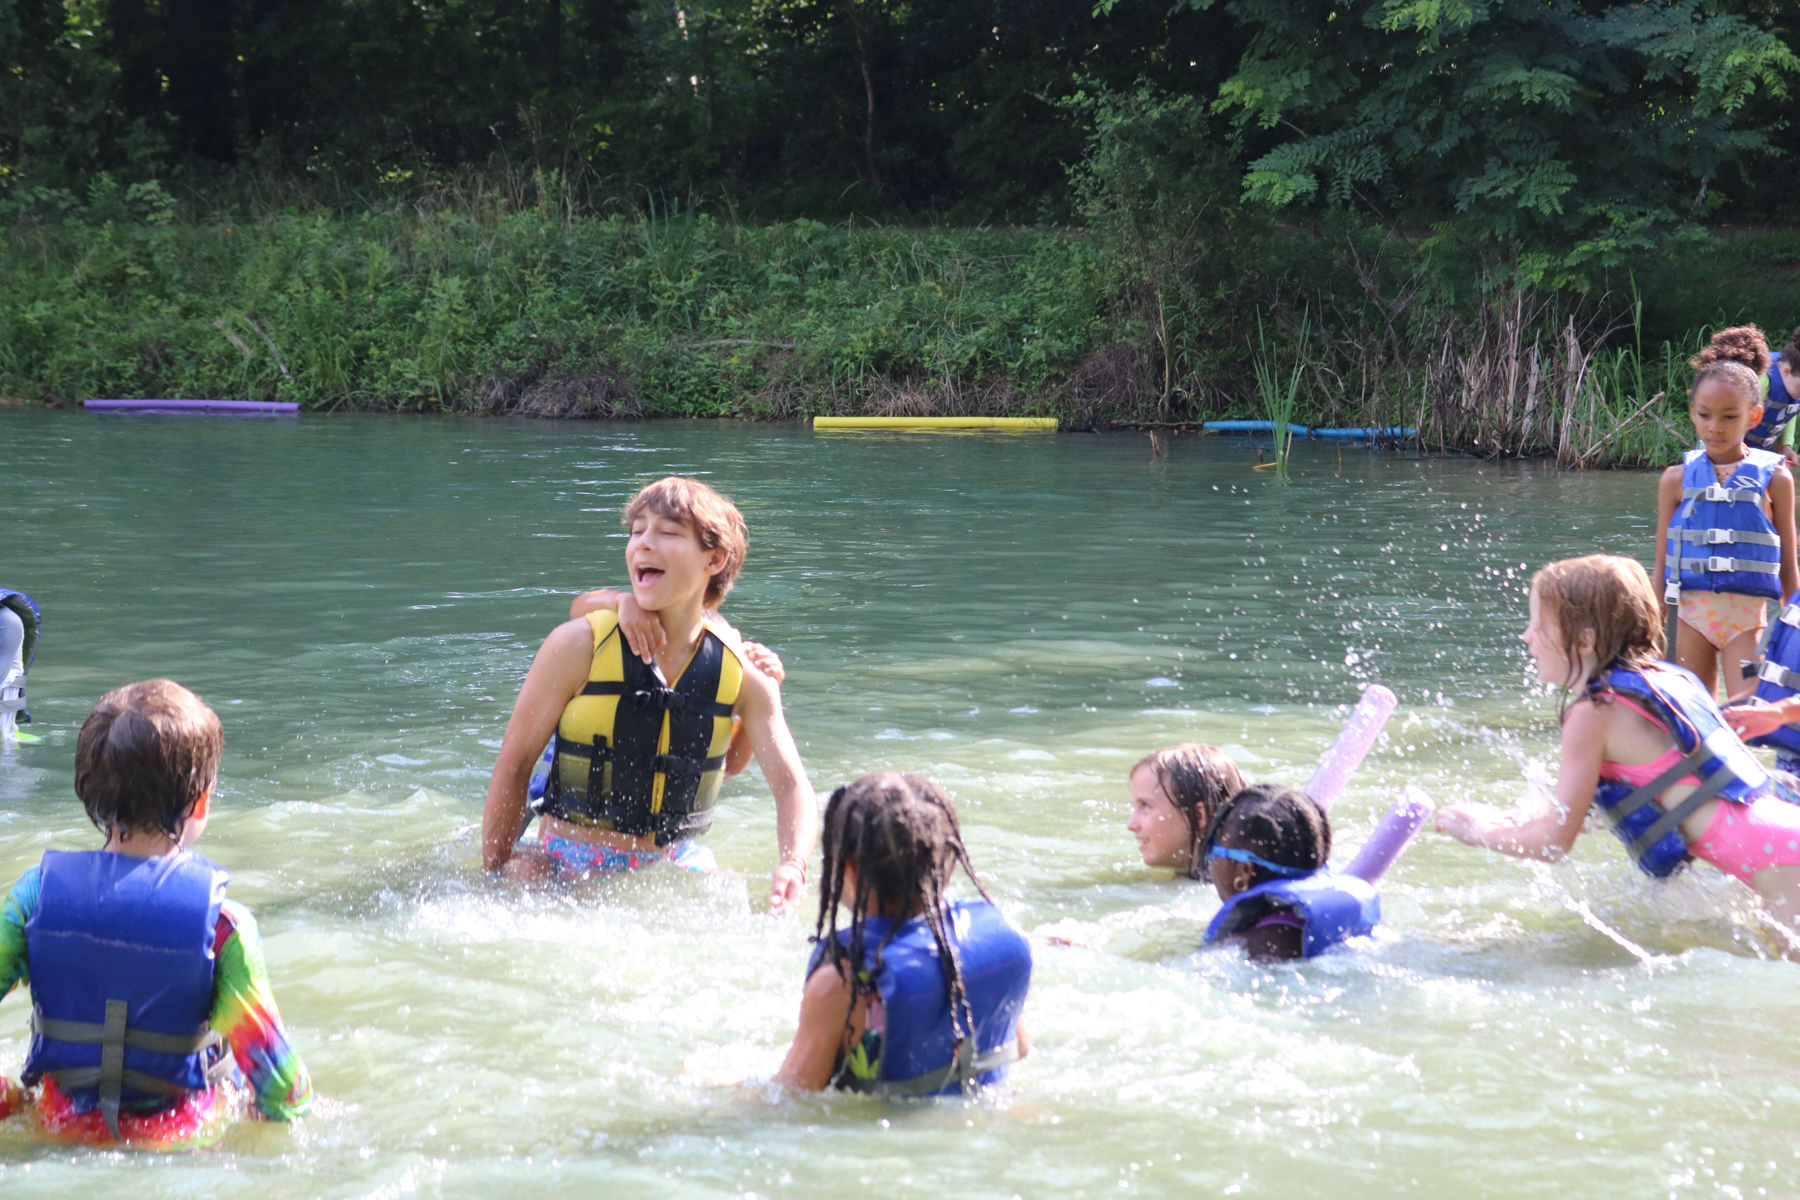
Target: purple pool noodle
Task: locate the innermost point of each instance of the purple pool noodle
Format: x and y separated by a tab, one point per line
1352	745
1390	836
271	407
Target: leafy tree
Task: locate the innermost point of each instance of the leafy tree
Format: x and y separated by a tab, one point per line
1557	134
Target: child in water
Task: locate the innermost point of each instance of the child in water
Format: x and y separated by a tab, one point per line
640	746
919	996
1267	856
1725	517
1644	741
146	983
1175	794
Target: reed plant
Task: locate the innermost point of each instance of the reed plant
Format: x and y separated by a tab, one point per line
1278	380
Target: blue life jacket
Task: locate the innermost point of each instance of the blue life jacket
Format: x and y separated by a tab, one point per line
1778	674
1720	540
1778	409
1331	908
920	1053
1651	833
121	958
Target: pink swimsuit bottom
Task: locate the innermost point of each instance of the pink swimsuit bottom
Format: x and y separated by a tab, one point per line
1741	839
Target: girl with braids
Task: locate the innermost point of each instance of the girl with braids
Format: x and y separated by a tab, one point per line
1725	519
1266	857
1175	794
1642	742
920	995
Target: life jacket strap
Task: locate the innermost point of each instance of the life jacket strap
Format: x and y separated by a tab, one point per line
673	701
1672	819
1779	675
114	1037
1656	787
1726	537
1719	494
675	764
966	1066
1718	565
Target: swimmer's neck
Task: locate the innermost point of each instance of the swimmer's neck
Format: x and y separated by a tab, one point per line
141	844
1737	453
683	622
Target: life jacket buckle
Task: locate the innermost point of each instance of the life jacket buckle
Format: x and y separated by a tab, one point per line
1720	537
1717	564
1672	593
1716	493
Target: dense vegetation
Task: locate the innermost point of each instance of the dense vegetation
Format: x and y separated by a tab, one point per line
1483	219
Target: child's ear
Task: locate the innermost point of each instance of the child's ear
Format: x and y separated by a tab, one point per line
718	560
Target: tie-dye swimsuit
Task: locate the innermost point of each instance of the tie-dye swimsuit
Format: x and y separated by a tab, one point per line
243	1011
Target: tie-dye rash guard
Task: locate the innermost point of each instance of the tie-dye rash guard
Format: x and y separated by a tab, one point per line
243	1007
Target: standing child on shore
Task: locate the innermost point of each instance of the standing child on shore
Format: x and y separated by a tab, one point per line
920	995
1725	526
1643	740
146	983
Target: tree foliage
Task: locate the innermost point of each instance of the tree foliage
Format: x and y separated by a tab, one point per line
1558	134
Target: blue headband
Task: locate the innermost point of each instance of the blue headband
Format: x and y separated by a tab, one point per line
1244	856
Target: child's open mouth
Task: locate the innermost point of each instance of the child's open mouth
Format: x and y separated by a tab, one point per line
648	576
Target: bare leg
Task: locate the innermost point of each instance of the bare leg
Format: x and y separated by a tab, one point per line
1741	649
1779	888
1694	652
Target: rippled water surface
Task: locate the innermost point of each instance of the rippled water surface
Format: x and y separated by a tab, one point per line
1019	616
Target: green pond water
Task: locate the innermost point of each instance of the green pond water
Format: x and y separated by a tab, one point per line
1019	616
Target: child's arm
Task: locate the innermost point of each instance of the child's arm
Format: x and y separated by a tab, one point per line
15	911
244	1013
796	809
644	630
1546	829
558	672
1668	495
1781	512
821	1036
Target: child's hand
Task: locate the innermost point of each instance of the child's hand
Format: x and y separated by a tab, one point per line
787	887
1465	824
1753	718
1793	459
765	660
643	630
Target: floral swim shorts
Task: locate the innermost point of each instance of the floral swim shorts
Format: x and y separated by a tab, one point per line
1723	617
572	858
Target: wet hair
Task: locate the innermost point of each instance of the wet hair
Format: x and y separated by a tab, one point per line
901	834
1281	824
1198	780
1737	358
716	522
146	753
1611	595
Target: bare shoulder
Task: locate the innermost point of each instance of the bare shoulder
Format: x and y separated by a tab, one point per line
758	692
1671	476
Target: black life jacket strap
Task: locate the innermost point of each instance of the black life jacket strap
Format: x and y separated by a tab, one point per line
966	1067
675	764
670	700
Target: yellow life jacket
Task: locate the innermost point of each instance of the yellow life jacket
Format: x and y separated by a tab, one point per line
636	755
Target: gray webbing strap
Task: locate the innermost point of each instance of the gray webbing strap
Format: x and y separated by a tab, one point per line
137	1081
1671	618
1779	675
1656	787
1717	564
1728	537
1723	495
965	1067
136	1039
1672	819
112	1063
